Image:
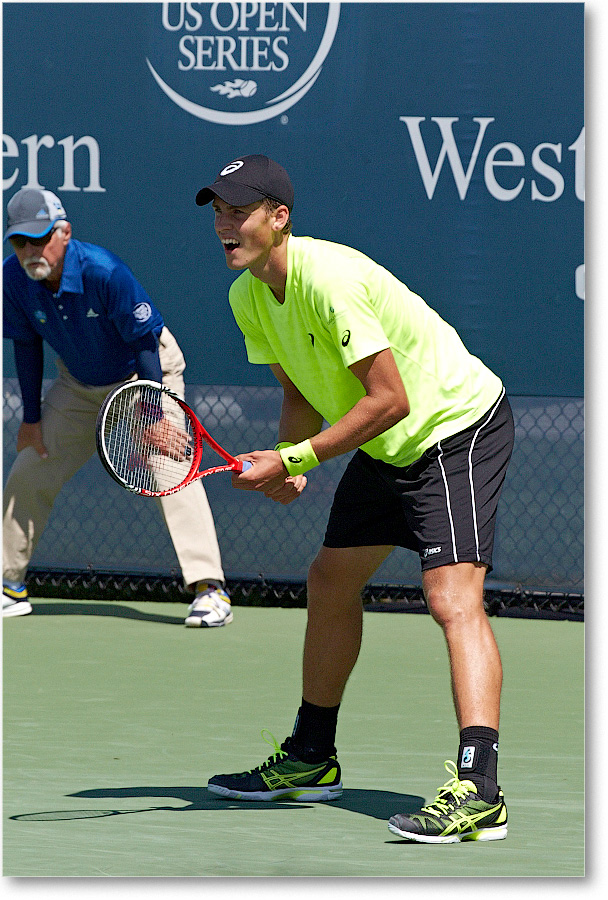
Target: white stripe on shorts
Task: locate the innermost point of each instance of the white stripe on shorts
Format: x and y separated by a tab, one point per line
447	500
473	507
489	418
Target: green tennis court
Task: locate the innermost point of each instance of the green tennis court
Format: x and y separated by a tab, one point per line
115	716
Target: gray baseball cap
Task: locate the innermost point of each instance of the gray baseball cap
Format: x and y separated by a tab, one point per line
33	212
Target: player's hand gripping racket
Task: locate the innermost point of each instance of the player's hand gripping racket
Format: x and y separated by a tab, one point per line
151	442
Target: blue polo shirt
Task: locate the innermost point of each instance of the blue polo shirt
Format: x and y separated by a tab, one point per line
99	310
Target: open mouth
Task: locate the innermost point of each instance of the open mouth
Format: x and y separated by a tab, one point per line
230	245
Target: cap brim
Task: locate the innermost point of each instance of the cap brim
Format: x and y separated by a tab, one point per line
229	192
30	229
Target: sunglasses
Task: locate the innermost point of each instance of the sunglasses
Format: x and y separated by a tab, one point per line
20	240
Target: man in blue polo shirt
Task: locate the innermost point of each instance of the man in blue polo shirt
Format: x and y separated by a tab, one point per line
86	304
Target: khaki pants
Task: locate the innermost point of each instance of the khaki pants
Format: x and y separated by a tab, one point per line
69	413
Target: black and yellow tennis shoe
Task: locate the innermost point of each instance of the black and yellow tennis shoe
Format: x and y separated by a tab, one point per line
282	777
457	814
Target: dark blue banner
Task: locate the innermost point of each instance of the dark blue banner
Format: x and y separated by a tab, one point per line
445	140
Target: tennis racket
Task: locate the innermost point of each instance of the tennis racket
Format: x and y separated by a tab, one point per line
151	442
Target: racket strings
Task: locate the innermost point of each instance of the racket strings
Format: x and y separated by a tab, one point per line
148	439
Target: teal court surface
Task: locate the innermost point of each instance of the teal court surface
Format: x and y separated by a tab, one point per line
116	715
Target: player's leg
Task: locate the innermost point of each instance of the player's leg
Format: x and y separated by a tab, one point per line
190	523
468	471
304	767
454	595
470	806
363	511
332	642
335	619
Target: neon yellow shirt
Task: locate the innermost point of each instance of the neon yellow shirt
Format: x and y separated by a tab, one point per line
341	307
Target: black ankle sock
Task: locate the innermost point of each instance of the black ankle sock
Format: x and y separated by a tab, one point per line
478	759
314	733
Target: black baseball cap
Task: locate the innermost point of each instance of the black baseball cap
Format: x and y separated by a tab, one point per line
248	179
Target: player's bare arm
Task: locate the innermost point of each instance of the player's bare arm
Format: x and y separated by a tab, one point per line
384	404
299	420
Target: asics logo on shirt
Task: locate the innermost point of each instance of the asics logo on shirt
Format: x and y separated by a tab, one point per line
312	338
91	314
345	338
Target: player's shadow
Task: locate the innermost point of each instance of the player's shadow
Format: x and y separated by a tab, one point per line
376	804
74	608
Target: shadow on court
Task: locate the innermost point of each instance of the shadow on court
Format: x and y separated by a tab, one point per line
376	804
73	608
106	721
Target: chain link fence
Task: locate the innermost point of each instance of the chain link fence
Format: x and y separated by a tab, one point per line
103	541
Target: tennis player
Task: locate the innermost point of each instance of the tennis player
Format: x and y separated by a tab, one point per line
433	434
86	304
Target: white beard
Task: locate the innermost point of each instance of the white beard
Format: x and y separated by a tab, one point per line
36	268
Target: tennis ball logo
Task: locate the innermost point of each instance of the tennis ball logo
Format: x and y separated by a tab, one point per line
236	88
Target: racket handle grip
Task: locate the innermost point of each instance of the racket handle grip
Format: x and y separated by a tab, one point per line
246	465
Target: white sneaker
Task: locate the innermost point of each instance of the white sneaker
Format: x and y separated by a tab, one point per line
210	608
14	600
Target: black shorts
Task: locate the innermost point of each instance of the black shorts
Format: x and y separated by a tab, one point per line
443	506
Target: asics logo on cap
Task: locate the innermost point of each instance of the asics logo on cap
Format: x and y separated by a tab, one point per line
233	167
